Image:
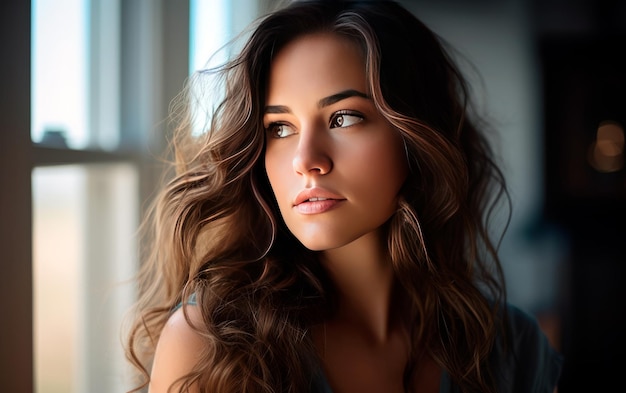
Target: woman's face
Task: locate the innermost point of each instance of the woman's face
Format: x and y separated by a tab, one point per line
334	162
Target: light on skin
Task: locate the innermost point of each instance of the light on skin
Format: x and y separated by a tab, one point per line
336	167
326	139
177	352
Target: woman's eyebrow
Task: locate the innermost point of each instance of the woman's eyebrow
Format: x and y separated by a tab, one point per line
324	102
277	109
342	95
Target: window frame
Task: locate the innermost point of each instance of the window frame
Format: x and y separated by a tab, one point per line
154	54
15	226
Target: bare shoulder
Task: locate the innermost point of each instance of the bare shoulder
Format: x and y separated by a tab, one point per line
178	350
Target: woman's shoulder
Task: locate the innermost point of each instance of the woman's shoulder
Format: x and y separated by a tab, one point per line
178	349
526	362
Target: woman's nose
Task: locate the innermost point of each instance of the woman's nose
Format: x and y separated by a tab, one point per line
313	154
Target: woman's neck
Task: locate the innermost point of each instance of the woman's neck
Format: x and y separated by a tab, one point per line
363	278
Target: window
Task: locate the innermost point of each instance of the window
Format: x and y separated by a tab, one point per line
84	216
84	132
85	195
100	88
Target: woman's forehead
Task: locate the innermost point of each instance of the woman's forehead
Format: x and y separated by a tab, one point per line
323	63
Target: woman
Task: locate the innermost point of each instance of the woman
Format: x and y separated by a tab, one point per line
327	231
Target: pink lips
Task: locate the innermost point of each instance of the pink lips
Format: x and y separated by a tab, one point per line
316	201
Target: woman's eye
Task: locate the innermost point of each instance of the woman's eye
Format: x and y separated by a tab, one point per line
280	130
345	119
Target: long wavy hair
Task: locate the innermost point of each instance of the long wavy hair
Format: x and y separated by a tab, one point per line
217	233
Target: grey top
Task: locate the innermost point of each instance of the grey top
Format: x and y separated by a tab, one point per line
531	364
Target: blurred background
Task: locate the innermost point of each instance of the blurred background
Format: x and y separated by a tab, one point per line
85	91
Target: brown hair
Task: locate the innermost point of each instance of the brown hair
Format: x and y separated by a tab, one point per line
218	233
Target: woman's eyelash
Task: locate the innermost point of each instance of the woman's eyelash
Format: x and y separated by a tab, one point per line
345	118
339	119
279	129
271	126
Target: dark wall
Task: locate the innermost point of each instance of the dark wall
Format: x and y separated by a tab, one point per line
581	49
16	348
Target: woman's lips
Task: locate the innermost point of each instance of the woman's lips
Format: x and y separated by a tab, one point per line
316	200
317	205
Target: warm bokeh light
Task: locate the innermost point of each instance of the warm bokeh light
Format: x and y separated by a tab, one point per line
606	153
